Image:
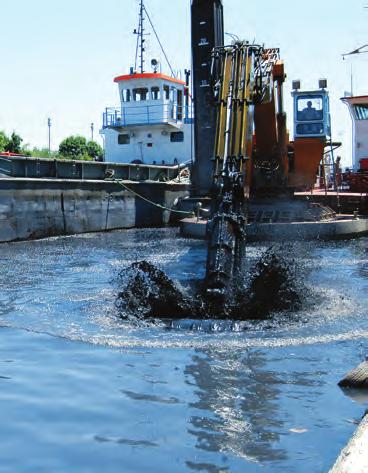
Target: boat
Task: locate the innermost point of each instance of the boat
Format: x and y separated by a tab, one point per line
152	124
356	178
143	176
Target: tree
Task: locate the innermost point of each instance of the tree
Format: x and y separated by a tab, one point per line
76	147
73	147
14	144
94	150
4	140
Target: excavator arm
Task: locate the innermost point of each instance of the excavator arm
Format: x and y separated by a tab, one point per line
244	80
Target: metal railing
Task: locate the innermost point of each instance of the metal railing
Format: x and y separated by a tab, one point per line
42	168
145	115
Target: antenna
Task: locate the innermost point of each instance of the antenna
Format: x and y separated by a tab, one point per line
351	79
362	50
159	42
140	32
140	49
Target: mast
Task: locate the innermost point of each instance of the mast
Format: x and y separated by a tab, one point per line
141	28
140	49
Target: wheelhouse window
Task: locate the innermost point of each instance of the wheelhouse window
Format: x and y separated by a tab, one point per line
126	94
166	92
155	93
141	94
173	92
177	136
180	104
123	139
361	111
309	108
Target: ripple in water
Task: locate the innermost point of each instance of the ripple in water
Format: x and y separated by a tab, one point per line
42	292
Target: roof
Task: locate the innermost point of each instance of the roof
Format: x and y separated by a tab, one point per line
352	98
148	75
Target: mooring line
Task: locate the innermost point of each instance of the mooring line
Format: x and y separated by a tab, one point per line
163	207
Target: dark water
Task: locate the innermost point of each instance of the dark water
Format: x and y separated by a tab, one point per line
83	390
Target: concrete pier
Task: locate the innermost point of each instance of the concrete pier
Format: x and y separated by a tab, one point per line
354	457
38	208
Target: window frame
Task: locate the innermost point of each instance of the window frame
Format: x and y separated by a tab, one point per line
177	134
138	92
123	139
126	95
361	111
166	89
305	98
155	92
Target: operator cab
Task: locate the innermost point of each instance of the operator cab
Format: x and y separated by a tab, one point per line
311	111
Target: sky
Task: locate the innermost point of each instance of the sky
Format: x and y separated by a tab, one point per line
59	58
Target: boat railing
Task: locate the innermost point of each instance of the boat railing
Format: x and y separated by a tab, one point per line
173	114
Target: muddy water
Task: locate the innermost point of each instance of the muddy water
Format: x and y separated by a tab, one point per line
83	389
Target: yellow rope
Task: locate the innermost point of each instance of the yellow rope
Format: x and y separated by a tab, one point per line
151	202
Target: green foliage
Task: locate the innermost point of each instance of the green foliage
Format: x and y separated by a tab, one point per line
94	150
26	152
44	153
4	140
73	147
76	147
14	144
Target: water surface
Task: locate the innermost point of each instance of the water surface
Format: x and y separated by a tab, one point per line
83	390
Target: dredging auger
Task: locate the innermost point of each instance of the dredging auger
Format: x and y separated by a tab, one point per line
244	77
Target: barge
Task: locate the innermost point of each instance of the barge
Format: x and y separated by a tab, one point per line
41	197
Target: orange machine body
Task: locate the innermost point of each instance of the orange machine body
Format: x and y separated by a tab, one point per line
280	166
307	156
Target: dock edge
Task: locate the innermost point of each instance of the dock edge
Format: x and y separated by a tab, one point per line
354	458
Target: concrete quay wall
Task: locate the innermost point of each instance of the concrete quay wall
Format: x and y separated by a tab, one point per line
354	458
38	208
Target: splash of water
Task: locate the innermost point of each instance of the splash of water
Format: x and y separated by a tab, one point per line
271	286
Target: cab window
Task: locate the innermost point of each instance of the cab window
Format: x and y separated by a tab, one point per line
166	92
309	108
141	94
310	128
180	104
126	95
173	94
155	93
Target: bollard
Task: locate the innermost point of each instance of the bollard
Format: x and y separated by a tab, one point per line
356	378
